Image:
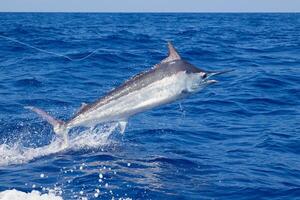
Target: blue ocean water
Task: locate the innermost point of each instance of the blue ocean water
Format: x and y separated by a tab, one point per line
238	139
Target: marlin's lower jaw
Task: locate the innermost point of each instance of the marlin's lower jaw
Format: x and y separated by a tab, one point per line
208	81
199	82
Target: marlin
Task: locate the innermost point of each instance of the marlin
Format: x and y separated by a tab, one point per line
171	79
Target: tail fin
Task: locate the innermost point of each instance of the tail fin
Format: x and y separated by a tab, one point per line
58	125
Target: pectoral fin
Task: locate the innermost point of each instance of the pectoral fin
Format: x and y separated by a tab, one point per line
122	125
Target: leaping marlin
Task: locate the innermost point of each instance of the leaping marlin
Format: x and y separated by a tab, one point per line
173	78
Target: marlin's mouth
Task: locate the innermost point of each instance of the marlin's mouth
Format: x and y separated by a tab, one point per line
209	74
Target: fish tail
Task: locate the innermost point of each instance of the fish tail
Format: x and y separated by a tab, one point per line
59	127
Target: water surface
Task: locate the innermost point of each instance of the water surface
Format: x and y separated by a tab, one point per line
238	139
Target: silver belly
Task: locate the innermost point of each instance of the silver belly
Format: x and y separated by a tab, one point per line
160	92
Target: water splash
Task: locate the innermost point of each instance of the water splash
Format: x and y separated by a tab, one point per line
18	154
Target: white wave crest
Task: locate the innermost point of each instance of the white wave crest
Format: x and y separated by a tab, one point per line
33	195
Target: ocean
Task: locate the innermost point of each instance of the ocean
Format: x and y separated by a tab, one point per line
237	139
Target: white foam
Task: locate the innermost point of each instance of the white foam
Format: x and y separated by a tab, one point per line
33	195
18	154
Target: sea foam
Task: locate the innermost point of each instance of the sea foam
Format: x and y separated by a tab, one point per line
33	195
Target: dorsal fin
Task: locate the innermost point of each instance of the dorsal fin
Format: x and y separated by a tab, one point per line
173	55
83	105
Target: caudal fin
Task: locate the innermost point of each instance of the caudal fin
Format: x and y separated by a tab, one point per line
58	125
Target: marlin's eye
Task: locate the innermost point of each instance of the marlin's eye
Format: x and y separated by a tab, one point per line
204	76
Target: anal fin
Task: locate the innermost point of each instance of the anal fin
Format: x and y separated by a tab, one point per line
122	125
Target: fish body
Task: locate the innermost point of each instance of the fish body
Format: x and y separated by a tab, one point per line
173	78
